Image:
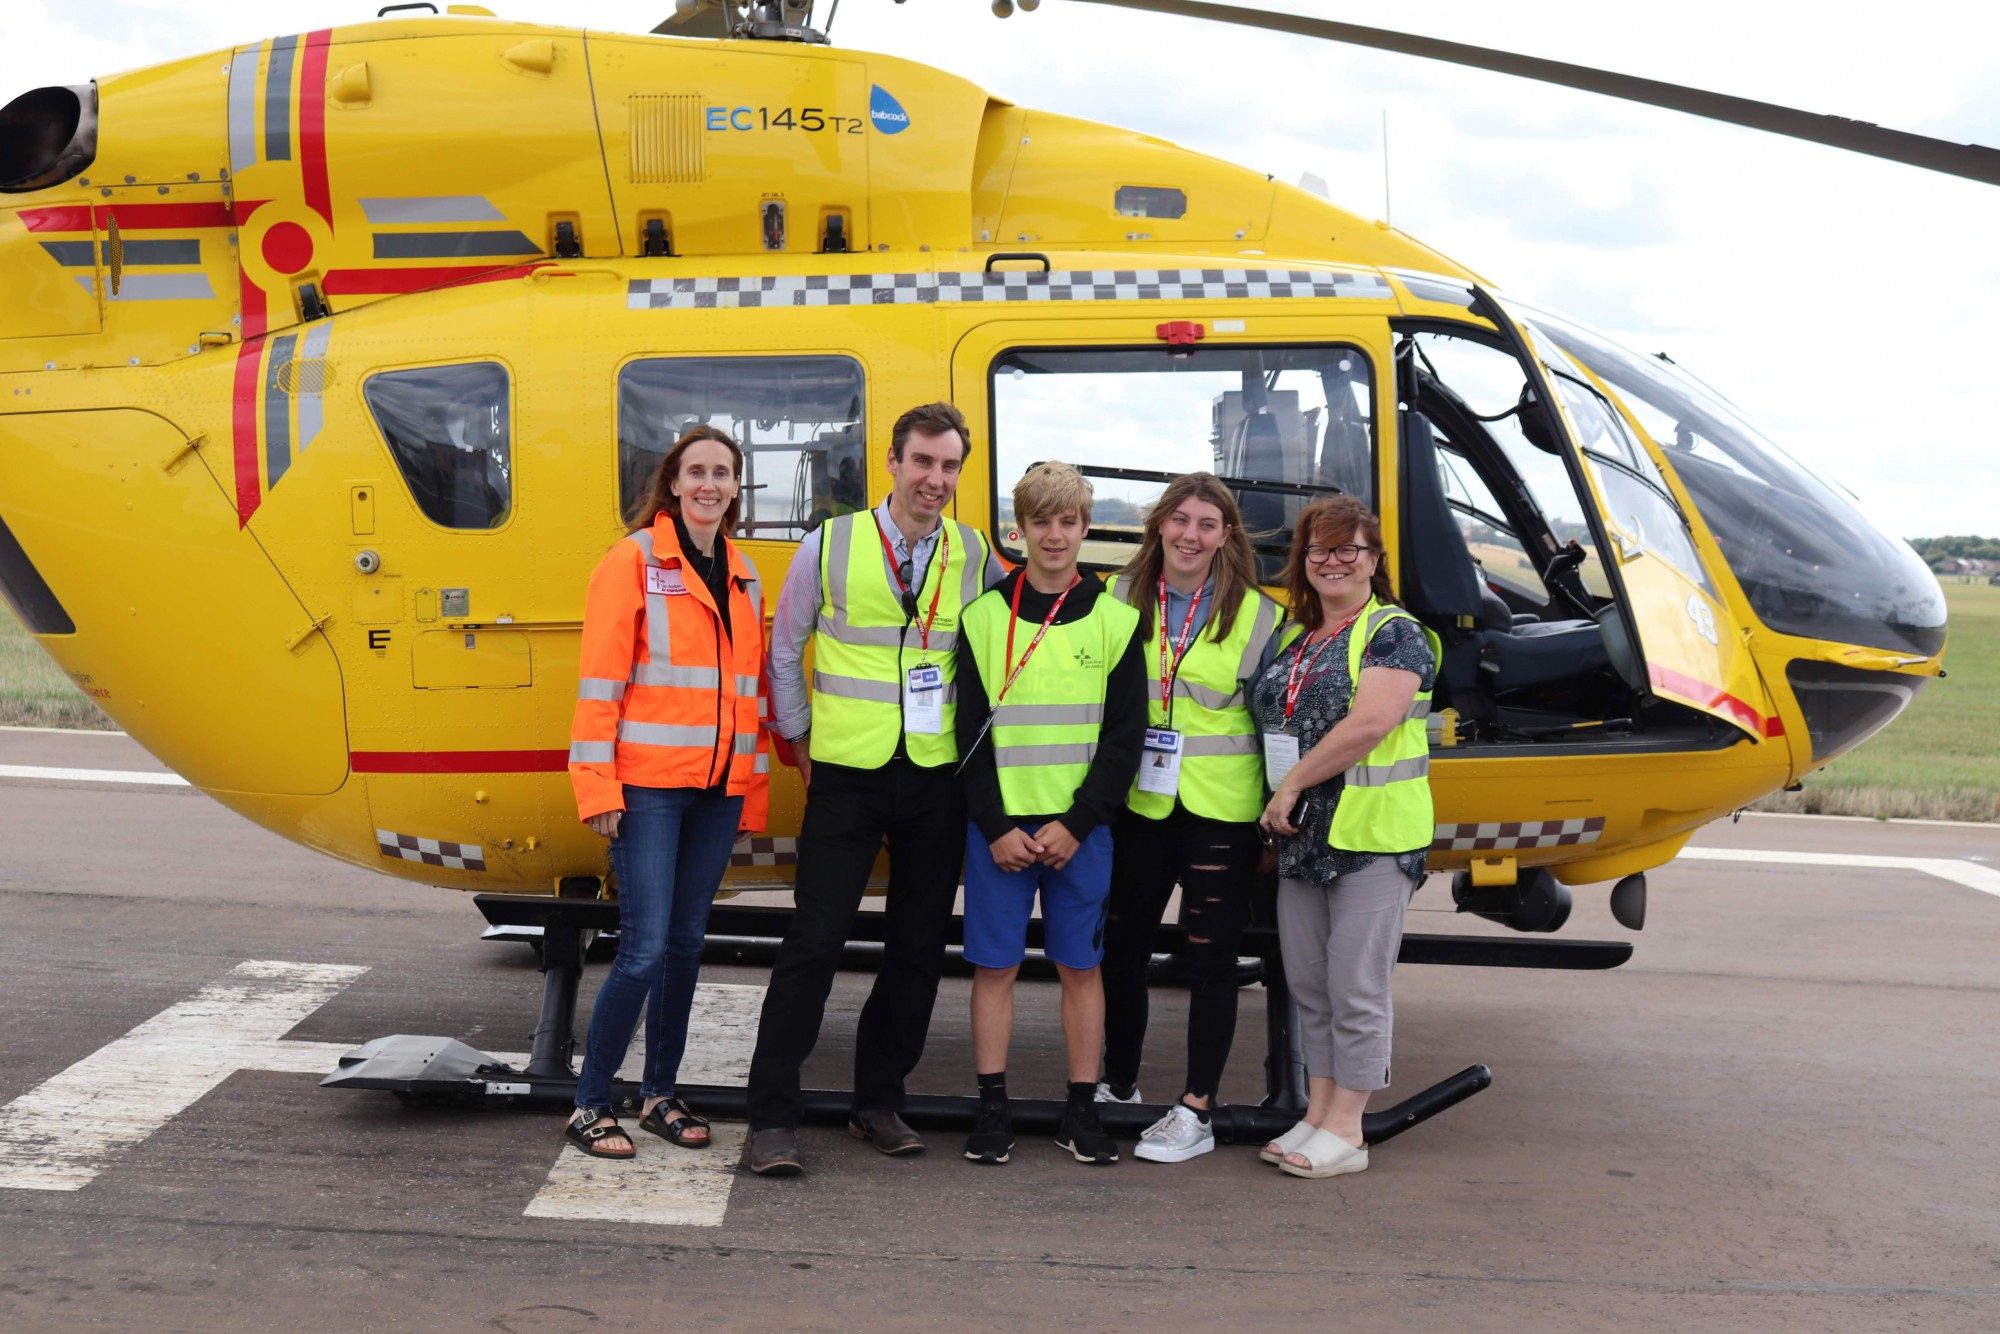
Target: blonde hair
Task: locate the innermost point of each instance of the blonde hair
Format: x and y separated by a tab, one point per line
1049	489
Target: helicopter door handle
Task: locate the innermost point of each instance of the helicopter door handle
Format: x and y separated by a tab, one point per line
545	273
1028	255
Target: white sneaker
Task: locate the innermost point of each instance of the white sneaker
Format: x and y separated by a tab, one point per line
1176	1137
1104	1094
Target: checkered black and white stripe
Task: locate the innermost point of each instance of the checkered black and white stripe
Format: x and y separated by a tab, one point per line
892	289
765	852
1518	834
431	851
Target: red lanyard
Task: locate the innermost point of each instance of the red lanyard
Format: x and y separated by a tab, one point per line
1013	614
1295	680
1169	669
944	569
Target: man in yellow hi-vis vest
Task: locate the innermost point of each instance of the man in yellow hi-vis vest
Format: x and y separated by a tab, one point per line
1051	720
878	593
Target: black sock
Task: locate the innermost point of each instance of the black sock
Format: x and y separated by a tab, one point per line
1122	1092
1201	1113
993	1088
1084	1092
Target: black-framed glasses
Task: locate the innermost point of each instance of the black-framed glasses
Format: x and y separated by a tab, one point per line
1346	553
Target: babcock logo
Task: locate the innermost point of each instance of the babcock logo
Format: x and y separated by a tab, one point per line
887	112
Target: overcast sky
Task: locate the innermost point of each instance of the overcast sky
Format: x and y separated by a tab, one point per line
1844	304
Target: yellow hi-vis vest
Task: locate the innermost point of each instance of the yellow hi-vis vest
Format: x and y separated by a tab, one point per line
1044	734
1385	802
863	644
1222	770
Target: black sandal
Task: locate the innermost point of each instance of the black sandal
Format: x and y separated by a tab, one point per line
675	1132
588	1131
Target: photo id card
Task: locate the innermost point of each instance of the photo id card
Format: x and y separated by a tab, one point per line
1160	762
1281	756
923	701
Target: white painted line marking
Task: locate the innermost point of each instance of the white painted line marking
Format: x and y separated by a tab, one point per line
665	1184
41	773
1985	879
60	1134
63	731
1869	819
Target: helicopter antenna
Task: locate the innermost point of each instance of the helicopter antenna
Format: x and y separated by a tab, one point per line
1387	216
1974	162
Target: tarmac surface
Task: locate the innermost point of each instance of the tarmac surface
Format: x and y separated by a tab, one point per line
1778	1115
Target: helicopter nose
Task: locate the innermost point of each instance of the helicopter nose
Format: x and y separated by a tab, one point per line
1844	706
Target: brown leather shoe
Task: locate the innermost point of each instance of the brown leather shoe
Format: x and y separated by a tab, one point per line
885	1130
773	1153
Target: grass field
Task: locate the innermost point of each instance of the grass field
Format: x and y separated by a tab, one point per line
1941	759
33	690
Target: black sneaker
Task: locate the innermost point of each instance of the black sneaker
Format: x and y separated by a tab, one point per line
1083	1135
992	1137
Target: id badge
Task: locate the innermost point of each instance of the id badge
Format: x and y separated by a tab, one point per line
1281	756
1160	762
923	701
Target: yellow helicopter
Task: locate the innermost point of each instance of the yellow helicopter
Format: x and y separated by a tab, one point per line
329	363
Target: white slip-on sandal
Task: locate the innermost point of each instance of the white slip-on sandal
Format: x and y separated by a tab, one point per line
1327	1155
1287	1142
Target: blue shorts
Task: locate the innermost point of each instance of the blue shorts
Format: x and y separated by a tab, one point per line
998	903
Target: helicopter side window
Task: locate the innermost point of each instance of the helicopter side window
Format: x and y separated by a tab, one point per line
1280	425
448	430
799	420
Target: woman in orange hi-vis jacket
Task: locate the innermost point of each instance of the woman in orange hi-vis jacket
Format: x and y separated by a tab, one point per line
670	760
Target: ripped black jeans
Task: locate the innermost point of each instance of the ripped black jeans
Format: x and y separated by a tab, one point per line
1213	861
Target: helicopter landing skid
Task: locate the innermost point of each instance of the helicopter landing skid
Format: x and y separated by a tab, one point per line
436	1069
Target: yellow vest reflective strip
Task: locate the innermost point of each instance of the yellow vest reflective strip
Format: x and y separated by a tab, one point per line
1222	772
1385	805
1045	733
863	643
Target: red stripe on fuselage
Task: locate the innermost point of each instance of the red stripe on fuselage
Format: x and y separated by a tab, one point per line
396	282
458	761
131	217
312	126
1714	697
243	426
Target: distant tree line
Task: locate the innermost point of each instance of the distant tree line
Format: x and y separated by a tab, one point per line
1935	549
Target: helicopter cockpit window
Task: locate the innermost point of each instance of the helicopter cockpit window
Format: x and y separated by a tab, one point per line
448	428
1280	425
1808	558
798	419
1641	511
1470	392
1488	535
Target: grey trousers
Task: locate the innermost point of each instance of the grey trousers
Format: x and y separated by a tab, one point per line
1339	942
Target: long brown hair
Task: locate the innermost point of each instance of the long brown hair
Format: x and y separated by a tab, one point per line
1234	569
659	497
1332	521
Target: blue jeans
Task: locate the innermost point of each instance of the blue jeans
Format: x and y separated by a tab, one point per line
672	847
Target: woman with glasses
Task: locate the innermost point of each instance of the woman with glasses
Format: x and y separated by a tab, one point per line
1191	816
1341	711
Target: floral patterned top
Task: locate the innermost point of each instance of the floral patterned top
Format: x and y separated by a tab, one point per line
1324	697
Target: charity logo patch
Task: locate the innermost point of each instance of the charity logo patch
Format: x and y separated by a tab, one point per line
665	579
886	111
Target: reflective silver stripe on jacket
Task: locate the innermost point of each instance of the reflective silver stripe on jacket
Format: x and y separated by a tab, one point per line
665	734
1381	775
1021	757
1200	694
746	744
598	687
593	752
832	621
1047	715
1420	709
857	687
762	765
1261	631
1221	745
666	674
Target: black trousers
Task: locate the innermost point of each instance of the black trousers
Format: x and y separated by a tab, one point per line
1213	861
849	813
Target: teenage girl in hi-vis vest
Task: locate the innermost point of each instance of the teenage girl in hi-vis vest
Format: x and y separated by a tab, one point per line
1191	816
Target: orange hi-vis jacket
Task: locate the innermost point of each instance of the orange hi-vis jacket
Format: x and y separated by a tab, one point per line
666	698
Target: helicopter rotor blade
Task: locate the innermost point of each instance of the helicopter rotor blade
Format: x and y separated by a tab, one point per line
1972	161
